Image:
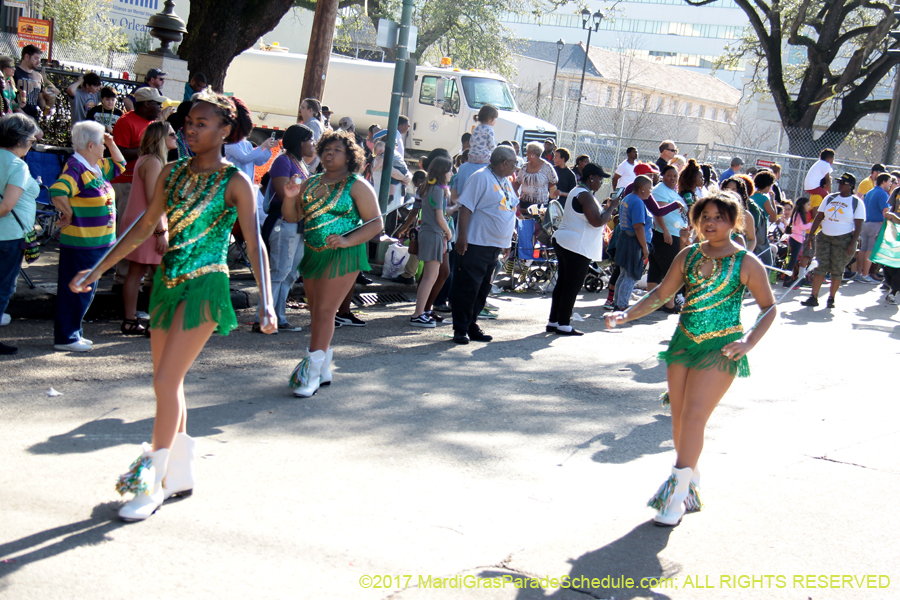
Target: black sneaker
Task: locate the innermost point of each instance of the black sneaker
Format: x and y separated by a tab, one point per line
811	301
460	338
362	279
421	321
552	328
477	335
405	280
348	318
830	302
443	308
7	350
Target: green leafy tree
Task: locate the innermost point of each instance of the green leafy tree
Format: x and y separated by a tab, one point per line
85	24
813	56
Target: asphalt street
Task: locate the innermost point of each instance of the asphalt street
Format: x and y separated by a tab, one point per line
428	468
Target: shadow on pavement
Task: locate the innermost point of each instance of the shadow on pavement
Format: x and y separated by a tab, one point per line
634	556
642	440
88	532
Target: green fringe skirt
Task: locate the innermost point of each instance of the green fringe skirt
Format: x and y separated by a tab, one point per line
206	298
328	263
705	355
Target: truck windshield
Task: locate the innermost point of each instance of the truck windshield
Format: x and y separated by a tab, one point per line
481	91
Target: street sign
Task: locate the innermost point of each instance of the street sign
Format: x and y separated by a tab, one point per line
389	33
37	32
764	164
23	4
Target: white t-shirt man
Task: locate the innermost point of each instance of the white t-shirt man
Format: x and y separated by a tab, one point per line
625	171
816	174
840	215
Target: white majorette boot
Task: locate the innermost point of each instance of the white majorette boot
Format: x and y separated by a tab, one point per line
179	479
325	378
669	499
692	502
307	375
144	479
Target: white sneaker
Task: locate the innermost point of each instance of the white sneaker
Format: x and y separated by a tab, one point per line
892	299
87	341
79	346
5	319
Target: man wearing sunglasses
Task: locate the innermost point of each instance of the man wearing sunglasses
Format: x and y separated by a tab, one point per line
667	151
155	79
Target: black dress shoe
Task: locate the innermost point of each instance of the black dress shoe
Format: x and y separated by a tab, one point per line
570	332
477	335
460	338
811	301
551	328
7	350
362	279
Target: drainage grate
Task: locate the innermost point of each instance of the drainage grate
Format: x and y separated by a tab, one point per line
380	298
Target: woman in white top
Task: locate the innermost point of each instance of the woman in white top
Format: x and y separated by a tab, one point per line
535	182
578	241
246	158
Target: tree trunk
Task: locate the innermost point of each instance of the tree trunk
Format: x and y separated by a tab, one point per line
319	52
220	30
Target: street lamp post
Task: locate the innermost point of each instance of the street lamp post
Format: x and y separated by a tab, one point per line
591	22
559	46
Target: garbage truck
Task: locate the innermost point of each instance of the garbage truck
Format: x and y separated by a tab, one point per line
442	107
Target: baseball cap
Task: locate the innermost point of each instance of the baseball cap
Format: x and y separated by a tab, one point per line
737	160
345	124
643	169
156	73
847	178
148	94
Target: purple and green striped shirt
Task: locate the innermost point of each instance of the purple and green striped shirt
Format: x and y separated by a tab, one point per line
93	203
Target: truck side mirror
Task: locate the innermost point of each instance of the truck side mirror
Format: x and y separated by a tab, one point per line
439	92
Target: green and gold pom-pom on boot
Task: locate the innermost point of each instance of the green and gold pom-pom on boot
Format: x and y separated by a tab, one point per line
669	499
145	480
307	375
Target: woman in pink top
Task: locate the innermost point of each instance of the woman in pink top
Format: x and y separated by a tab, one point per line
800	224
157	140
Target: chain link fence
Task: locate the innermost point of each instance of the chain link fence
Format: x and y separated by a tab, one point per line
604	133
112	63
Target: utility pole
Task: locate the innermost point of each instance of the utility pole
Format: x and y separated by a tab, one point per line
396	97
319	52
894	119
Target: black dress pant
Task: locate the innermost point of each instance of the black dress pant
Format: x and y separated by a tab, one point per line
573	269
472	278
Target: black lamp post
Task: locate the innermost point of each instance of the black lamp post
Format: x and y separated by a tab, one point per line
591	22
559	46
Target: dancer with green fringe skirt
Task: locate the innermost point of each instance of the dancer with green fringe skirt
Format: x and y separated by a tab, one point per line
707	351
201	197
341	214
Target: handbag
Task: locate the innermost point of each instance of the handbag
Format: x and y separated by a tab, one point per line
414	241
29	244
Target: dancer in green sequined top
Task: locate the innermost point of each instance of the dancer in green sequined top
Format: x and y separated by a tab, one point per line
337	206
707	351
201	196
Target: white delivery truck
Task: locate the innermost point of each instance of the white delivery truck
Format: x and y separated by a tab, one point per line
442	107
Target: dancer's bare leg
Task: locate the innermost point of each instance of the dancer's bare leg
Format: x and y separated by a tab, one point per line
324	297
702	392
174	352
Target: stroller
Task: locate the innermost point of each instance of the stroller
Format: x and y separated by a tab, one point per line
534	264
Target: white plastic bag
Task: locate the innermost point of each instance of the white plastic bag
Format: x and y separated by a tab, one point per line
394	260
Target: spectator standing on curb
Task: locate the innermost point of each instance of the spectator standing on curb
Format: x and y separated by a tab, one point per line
578	241
155	79
817	172
9	94
667	151
668	231
284	239
245	157
841	216
17	207
156	142
777	195
867	184
196	85
106	112
624	174
86	199
85	94
127	134
433	239
487	218
30	83
566	180
876	203
632	246
549	147
736	164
